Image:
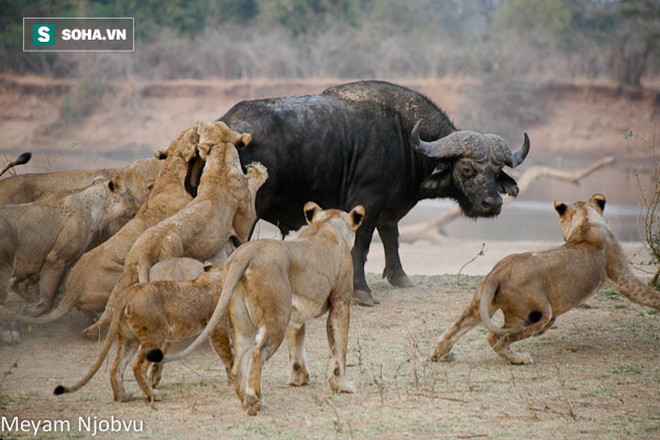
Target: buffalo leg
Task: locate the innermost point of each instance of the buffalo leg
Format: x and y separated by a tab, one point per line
361	291
389	235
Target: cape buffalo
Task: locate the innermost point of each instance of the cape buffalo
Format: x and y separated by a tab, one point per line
359	144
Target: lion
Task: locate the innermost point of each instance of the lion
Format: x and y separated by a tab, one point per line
28	188
533	289
223	207
45	237
272	287
156	314
92	278
176	269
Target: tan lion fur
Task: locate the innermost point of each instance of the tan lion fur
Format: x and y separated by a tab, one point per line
153	315
532	289
45	237
176	269
92	278
272	287
223	207
26	188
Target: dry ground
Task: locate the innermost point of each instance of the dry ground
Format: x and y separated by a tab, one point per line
596	374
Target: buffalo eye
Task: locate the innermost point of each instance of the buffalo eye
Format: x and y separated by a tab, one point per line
467	171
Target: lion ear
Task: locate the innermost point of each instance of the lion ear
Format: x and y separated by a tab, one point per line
161	154
560	208
204	150
310	210
357	215
243	140
599	201
115	184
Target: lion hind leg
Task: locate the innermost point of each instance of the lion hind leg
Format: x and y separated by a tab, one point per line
469	319
221	341
140	371
157	367
536	323
269	342
126	348
243	342
295	336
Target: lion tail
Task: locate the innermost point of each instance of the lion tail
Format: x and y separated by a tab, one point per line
112	334
143	269
489	289
65	305
234	273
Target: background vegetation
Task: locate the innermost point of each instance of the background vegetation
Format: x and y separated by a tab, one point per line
236	39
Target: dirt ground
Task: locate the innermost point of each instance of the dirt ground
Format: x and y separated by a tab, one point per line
596	373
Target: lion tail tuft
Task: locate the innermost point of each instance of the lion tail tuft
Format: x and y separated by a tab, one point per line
155	355
60	390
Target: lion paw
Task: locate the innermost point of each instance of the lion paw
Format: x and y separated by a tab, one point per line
299	375
447	357
9	337
252	404
157	395
124	397
343	386
520	358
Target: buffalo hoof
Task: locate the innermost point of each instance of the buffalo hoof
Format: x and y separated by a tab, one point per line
364	298
397	278
401	281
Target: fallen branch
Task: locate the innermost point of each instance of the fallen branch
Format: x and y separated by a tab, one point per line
435	229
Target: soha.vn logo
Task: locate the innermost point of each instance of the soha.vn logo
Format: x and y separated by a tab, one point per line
43	34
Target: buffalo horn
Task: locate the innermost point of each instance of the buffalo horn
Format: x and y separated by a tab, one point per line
502	154
459	143
520	154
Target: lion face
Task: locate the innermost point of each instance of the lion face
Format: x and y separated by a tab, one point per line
573	218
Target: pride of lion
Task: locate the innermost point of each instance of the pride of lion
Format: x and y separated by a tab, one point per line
184	265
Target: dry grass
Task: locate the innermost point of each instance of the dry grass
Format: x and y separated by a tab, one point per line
596	375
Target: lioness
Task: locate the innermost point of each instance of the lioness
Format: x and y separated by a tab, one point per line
532	289
272	287
223	207
153	315
92	278
45	237
28	188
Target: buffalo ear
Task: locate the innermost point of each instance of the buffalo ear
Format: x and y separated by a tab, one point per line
507	185
439	178
357	215
560	208
310	210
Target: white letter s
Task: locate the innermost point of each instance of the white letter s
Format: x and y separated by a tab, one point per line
45	36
